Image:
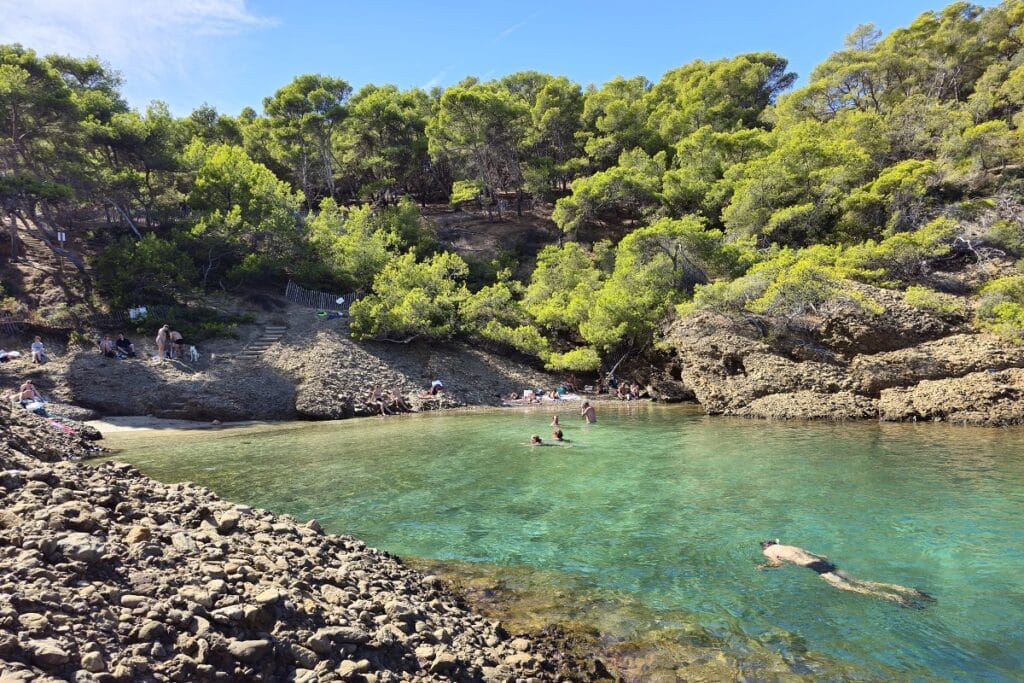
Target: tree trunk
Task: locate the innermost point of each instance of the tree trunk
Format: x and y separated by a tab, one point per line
124	215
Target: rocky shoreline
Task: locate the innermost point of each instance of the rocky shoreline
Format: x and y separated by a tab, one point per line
109	575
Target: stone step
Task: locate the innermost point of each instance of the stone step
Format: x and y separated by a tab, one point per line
274	328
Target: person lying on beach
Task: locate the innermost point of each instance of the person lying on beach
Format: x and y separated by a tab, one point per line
436	387
778	555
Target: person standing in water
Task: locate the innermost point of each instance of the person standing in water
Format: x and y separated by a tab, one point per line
588	413
554	421
779	554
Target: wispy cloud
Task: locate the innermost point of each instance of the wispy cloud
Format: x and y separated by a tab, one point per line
437	79
514	27
143	39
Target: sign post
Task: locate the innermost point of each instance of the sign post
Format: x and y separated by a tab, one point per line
61	238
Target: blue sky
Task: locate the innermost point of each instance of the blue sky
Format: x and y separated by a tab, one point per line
233	53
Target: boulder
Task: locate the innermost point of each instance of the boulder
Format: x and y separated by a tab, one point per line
980	398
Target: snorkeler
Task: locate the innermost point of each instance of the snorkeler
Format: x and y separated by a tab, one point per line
778	555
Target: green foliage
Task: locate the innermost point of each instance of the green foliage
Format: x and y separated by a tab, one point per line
905	255
726	94
1001	307
895	201
479	129
582	359
303	117
197	323
350	247
147	271
412	299
629	191
1007	235
943	305
464	191
563	287
801	287
655	268
245	214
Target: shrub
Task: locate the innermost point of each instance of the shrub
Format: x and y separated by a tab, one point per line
1006	235
1001	307
925	299
147	271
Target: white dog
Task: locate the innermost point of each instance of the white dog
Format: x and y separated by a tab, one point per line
193	354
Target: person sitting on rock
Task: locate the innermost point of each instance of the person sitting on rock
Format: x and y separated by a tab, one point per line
27	393
107	347
125	346
39	351
398	401
778	555
377	400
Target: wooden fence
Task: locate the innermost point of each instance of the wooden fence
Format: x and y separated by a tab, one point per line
322	301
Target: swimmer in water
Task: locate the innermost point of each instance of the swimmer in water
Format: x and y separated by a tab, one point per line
556	434
554	421
588	412
536	439
778	555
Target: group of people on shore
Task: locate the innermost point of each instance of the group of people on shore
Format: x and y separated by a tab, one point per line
394	403
121	348
29	398
170	344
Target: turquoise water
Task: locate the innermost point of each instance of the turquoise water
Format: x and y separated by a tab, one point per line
659	509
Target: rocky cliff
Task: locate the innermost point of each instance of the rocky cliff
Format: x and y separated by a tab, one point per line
901	363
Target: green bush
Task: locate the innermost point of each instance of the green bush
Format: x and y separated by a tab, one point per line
147	271
925	299
1001	307
197	323
1006	235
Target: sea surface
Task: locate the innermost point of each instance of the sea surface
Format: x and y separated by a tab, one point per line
646	526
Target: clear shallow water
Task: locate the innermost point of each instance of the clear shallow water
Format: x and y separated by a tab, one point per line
649	523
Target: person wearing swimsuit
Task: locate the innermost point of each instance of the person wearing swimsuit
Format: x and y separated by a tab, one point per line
779	554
